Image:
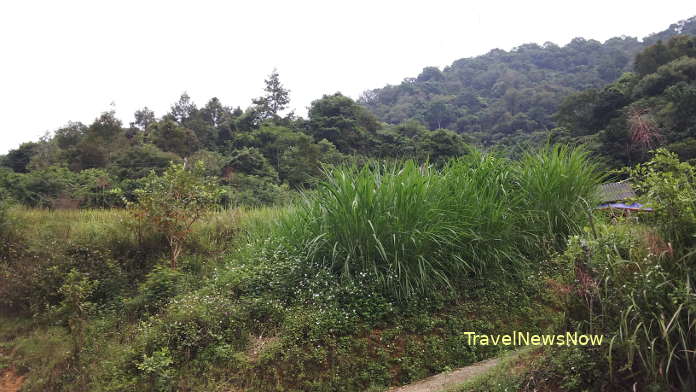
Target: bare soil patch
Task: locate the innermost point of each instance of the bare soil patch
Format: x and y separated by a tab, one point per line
10	381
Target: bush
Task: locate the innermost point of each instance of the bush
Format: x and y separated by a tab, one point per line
669	187
252	190
5	228
175	201
8	250
160	285
47	245
32	281
635	292
190	325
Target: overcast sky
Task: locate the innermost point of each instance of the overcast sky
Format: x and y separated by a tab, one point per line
71	60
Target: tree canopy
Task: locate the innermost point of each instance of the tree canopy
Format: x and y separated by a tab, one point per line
257	154
654	107
503	93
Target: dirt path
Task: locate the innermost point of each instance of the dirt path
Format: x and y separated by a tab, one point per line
10	381
442	381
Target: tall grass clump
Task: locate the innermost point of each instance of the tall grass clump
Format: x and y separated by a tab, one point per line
480	200
641	297
387	222
416	229
557	187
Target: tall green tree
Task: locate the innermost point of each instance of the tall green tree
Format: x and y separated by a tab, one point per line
343	122
214	113
143	118
70	135
183	109
275	100
19	158
170	136
106	128
250	161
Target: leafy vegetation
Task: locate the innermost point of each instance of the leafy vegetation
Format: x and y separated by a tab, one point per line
557	368
632	283
258	155
174	202
640	111
647	295
415	229
315	296
512	94
268	313
382	243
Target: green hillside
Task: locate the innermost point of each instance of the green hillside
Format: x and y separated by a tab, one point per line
652	107
504	93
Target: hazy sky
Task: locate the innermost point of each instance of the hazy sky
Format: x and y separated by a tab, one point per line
70	60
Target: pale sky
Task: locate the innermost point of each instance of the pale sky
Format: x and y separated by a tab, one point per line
70	60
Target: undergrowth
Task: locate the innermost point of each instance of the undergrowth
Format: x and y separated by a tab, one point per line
366	283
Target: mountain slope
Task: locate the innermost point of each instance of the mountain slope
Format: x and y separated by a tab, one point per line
652	107
501	92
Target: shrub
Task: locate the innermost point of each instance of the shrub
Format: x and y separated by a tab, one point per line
160	285
32	281
669	187
189	326
641	301
47	245
175	201
252	190
158	369
75	290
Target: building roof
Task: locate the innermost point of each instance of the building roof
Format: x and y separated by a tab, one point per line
615	191
625	206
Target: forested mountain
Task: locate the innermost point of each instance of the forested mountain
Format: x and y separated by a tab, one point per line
503	93
652	107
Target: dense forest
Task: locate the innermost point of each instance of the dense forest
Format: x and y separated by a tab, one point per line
508	95
652	107
257	153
